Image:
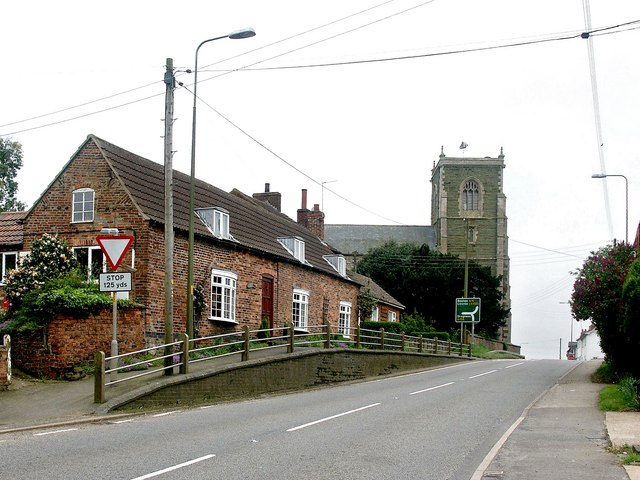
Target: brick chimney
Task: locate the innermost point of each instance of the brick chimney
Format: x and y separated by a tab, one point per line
313	220
272	198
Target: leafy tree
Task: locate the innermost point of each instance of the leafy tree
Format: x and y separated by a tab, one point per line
598	296
10	163
366	303
428	283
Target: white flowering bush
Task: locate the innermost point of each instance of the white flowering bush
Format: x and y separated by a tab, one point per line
50	258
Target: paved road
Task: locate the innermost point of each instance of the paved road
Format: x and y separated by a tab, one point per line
438	424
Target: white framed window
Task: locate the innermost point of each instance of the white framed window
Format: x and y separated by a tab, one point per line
391	316
217	221
82	206
338	262
471	196
344	320
91	259
300	308
375	312
295	246
9	262
223	296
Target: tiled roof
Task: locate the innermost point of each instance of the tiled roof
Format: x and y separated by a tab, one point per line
360	239
11	228
252	223
376	290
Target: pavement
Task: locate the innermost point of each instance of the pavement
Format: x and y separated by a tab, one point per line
561	435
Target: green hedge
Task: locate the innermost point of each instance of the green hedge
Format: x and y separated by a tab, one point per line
398	327
390	327
444	336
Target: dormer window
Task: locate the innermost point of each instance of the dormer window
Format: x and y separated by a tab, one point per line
217	221
338	262
82	205
295	246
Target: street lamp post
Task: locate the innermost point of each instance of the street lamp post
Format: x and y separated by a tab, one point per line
237	35
626	184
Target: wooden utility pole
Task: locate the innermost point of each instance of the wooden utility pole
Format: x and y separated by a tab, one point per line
169	80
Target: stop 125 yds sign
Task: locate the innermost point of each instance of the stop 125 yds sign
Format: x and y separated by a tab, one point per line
115	282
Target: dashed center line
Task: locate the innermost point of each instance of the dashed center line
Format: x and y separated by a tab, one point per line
432	388
514	365
332	417
175	467
483	374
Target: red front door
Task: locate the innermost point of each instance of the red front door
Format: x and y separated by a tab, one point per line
267	299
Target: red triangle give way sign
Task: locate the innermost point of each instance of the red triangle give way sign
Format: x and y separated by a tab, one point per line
114	247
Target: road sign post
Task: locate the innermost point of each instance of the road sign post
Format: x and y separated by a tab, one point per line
467	311
114	248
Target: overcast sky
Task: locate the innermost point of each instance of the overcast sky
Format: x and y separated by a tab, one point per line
310	108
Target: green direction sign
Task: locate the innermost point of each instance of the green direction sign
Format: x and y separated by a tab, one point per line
467	310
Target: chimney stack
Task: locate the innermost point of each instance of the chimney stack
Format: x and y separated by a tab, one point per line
312	220
272	198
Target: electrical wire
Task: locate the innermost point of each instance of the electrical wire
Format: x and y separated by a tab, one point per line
596	114
286	162
248	68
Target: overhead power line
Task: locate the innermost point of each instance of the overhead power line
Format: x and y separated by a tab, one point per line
596	32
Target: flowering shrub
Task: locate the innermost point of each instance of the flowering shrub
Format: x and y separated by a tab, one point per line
598	296
50	258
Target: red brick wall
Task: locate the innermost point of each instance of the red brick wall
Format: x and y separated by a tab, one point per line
250	269
383	312
114	208
68	341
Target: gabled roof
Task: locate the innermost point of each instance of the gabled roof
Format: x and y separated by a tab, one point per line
252	223
376	290
11	233
360	239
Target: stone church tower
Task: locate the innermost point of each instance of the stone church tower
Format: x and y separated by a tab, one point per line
467	196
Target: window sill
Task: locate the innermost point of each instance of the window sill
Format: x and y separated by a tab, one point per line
223	320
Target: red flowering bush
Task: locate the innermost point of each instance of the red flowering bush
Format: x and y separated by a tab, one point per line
598	296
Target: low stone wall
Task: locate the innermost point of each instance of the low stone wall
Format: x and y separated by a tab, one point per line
290	372
58	349
5	363
492	344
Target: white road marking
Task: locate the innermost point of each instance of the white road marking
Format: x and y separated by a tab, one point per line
166	413
175	467
482	374
123	421
432	388
514	365
54	432
332	417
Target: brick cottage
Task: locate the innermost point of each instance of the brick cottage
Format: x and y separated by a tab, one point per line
251	261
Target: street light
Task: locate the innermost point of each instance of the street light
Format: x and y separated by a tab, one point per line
626	184
237	35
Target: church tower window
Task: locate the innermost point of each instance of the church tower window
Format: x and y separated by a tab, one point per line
471	196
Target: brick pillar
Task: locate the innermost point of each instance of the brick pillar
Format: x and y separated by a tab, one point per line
5	363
